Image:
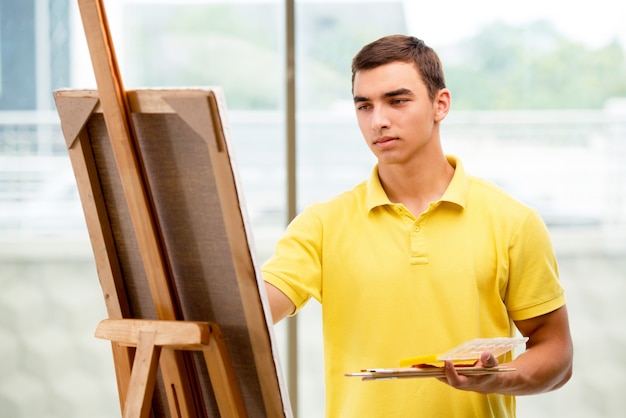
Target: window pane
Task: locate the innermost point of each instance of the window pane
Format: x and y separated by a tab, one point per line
539	107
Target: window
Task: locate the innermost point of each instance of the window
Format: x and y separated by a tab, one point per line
539	107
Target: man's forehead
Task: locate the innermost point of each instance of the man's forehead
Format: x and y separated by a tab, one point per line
382	80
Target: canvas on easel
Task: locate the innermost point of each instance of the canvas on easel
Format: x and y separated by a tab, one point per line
182	141
190	331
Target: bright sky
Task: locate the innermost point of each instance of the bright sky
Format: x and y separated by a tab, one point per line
442	22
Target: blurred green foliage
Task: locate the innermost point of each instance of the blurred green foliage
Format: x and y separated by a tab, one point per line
240	46
532	67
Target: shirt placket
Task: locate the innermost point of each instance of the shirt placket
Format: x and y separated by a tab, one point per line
418	250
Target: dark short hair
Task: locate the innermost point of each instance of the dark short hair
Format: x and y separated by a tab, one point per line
404	49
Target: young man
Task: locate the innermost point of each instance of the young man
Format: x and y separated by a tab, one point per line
420	258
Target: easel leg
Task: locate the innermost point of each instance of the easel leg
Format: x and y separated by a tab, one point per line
123	359
143	377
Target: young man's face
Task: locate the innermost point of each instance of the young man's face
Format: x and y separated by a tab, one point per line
396	116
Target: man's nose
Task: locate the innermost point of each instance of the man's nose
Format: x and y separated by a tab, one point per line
380	119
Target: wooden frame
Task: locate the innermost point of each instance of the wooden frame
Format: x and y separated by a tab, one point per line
199	234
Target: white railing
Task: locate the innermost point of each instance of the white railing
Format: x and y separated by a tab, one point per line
566	163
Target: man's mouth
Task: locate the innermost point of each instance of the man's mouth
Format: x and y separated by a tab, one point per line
383	140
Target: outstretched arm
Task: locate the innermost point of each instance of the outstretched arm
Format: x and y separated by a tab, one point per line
545	365
280	305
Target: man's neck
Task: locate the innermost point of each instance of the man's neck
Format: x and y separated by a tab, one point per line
418	184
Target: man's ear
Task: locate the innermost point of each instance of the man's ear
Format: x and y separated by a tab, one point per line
442	104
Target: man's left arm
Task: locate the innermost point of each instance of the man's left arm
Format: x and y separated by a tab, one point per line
545	365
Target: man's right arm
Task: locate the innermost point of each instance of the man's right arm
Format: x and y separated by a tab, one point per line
280	305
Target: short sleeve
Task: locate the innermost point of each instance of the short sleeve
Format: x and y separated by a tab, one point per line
295	267
534	288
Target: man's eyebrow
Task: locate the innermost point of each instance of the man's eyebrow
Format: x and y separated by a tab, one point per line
393	93
398	92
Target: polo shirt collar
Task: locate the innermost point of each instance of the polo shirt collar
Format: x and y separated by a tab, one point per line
458	188
456	192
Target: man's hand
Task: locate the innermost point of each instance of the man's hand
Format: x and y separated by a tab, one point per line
476	383
545	365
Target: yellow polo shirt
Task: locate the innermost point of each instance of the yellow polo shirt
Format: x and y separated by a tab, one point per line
394	286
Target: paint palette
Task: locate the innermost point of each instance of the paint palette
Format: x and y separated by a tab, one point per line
468	352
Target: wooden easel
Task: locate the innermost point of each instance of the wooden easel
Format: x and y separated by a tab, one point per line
150	337
136	242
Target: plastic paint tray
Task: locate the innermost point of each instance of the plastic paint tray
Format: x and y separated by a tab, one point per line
468	352
474	348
